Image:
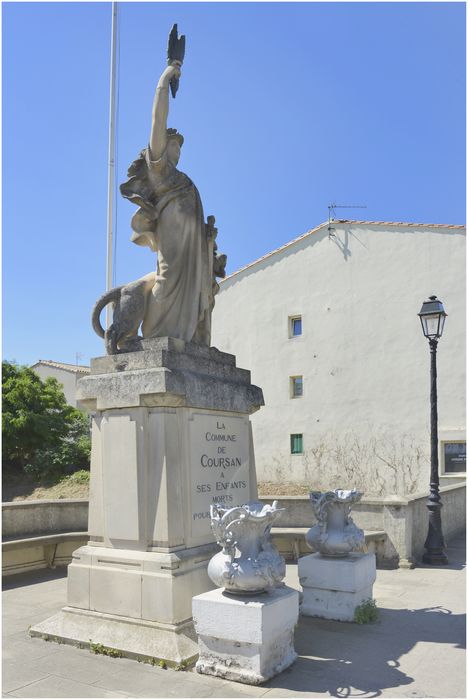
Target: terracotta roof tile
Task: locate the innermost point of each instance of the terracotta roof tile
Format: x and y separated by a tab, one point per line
80	369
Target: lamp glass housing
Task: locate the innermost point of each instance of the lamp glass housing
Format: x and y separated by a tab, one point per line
432	317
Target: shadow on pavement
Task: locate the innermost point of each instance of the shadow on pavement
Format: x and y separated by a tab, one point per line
30	578
342	659
356	661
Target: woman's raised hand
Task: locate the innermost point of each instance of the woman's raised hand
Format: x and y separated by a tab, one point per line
172	71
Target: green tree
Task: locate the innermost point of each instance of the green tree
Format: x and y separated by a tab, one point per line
73	450
41	432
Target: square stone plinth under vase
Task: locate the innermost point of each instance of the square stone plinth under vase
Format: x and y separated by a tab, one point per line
333	588
248	639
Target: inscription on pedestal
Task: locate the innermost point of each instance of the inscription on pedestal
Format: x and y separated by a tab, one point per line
219	466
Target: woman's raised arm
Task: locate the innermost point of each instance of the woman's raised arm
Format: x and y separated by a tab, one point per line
158	139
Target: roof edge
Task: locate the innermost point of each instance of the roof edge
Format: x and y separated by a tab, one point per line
66	366
338	221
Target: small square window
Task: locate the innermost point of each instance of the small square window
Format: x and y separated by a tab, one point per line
296	444
295	326
296	388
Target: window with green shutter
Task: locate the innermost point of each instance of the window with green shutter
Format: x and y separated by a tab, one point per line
296	444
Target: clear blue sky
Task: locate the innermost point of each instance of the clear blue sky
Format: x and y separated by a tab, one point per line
285	107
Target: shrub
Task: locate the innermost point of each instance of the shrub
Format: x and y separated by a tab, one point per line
79	477
366	613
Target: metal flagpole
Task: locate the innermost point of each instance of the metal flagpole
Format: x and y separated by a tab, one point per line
110	181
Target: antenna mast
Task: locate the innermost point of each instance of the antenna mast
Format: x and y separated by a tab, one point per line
332	212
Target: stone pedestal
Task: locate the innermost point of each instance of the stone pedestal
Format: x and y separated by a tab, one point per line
333	588
170	436
246	639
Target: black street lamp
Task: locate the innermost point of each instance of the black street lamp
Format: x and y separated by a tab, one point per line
432	317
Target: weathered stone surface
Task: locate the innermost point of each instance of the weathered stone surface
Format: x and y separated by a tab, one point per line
151	586
248	640
169	372
178	298
170	432
140	639
21	519
333	588
154	352
156	471
170	436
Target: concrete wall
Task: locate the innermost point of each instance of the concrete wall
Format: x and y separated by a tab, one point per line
33	533
27	518
405	521
453	516
364	414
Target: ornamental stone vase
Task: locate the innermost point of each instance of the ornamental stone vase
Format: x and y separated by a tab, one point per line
335	534
248	563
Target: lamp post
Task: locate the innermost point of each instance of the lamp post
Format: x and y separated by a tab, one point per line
432	317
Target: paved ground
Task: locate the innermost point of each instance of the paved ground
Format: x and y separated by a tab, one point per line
416	650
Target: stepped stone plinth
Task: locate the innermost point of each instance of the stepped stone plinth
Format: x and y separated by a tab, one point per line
170	436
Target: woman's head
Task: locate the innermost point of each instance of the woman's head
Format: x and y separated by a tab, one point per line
173	151
174	144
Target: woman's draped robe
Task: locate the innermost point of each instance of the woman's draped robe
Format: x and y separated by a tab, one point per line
170	221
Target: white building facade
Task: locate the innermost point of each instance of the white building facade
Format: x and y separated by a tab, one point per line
64	373
328	326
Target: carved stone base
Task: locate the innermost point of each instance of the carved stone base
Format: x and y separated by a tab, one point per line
151	586
171	435
135	639
246	640
136	602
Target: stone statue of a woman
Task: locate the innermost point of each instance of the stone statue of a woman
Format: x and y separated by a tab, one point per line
177	299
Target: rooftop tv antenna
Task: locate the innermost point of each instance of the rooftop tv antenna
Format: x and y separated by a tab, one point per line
332	213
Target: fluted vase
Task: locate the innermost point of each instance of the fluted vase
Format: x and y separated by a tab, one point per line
248	563
335	534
